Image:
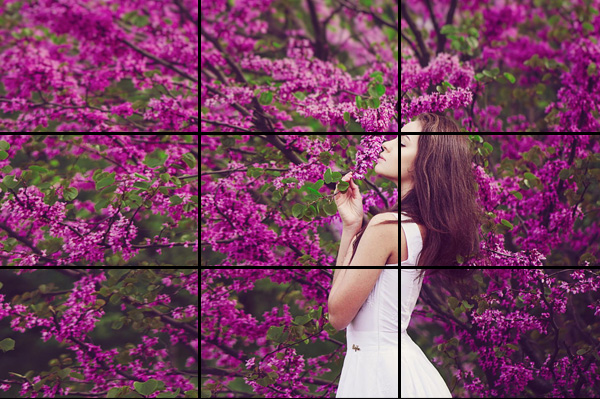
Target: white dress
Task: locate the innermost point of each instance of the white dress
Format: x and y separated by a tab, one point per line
395	264
414	242
371	369
419	378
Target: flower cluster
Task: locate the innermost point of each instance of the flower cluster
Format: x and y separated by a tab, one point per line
247	230
72	318
515	48
293	75
225	320
513	328
530	194
55	58
367	153
43	221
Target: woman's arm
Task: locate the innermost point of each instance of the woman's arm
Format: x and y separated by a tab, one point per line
349	290
347	235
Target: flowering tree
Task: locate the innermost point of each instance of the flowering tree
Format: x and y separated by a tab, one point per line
82	200
161	305
540	195
268	200
268	354
99	66
295	66
517	333
503	66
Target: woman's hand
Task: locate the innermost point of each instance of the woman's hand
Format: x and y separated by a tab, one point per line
350	204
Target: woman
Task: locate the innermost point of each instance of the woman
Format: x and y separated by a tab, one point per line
377	244
440	214
366	301
431	123
420	379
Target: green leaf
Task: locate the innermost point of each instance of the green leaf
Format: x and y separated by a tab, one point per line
69	194
38	169
140	21
189	159
266	97
118	273
7	344
300	95
141	176
588	26
380	89
472	42
343	186
449	30
115	299
4	145
366	3
330	208
165	177
315	192
507	224
139	104
3	155
142	184
358	101
298	210
176	200
101	204
9	181
564	174
146	388
327	176
136	315
373	103
170	394
354	127
510	77
157	158
105	182
591	69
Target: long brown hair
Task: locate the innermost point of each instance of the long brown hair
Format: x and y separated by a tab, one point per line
362	230
434	123
444	200
450	274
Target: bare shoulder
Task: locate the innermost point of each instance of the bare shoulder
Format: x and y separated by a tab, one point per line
389	229
382	217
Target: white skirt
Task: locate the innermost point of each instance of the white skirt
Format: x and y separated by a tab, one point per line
371	372
418	377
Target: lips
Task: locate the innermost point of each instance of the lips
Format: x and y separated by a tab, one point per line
381	158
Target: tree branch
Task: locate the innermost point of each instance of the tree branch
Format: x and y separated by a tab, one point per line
225	124
162	62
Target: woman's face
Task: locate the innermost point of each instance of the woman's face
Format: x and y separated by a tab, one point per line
413	127
388	166
408	154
